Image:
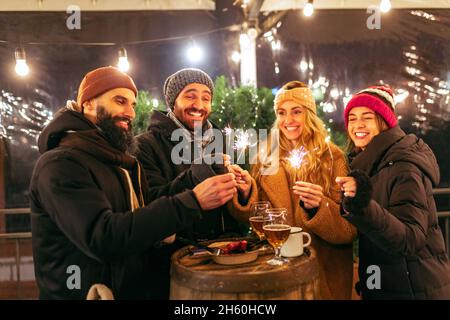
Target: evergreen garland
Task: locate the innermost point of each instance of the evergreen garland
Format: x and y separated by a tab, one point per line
145	105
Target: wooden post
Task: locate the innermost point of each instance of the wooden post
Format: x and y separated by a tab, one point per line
2	183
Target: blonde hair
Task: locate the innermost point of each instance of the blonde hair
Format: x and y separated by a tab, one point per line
318	162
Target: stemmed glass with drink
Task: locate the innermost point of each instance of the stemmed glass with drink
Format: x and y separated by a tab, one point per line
276	230
258	216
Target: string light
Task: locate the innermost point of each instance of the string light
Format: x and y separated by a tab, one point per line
303	65
194	53
385	5
276	45
236	56
21	68
277	68
123	63
155	103
401	96
334	93
308	10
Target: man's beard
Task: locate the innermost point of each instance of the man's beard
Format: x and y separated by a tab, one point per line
118	137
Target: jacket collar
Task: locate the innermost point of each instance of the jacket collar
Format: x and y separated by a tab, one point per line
369	159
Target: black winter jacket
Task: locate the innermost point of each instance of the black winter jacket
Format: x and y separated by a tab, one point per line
398	226
166	178
81	217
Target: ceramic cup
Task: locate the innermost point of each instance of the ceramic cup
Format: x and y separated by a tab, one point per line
294	245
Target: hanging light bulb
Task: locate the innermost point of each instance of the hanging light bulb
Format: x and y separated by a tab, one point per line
277	68
236	56
194	53
303	65
385	5
276	45
123	63
308	10
334	93
21	68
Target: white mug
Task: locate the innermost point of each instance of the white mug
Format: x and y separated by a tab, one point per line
294	245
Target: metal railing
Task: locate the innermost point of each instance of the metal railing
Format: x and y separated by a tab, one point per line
446	216
15	211
16	237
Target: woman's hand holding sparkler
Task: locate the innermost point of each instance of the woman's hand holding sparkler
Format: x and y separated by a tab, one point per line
348	186
311	194
243	179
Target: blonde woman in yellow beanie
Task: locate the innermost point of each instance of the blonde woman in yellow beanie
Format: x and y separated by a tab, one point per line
314	197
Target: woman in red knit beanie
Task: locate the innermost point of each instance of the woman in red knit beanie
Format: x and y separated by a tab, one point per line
388	196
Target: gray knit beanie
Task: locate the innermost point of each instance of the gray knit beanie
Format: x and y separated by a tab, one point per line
176	82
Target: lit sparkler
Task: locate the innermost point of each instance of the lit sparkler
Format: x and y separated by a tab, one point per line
296	157
228	130
242	140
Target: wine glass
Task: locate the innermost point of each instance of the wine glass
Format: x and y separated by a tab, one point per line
257	217
277	230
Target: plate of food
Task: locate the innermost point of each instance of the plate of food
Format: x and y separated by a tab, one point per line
232	252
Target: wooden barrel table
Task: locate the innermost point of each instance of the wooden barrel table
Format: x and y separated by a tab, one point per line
194	278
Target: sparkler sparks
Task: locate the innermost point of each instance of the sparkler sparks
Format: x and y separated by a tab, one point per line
228	130
242	140
296	157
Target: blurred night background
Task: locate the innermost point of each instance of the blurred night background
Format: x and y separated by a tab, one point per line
333	51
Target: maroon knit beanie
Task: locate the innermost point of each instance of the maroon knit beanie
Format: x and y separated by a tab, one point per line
379	99
101	80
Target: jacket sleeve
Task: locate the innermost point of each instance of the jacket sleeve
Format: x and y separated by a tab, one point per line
68	193
239	211
328	223
402	227
158	183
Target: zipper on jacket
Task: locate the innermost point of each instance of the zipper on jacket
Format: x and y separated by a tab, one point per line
409	279
222	220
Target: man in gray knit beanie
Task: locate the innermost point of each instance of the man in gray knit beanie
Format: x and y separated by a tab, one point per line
167	151
188	94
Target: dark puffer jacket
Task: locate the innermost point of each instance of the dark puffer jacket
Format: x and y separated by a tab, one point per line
398	227
80	216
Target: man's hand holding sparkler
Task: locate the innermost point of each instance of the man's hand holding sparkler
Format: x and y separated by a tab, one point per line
243	178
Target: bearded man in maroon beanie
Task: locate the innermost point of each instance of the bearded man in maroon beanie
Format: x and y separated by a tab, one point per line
90	219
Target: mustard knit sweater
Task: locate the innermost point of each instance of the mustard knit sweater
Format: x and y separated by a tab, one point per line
332	235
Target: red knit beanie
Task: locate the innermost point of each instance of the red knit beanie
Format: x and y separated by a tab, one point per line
379	99
101	80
